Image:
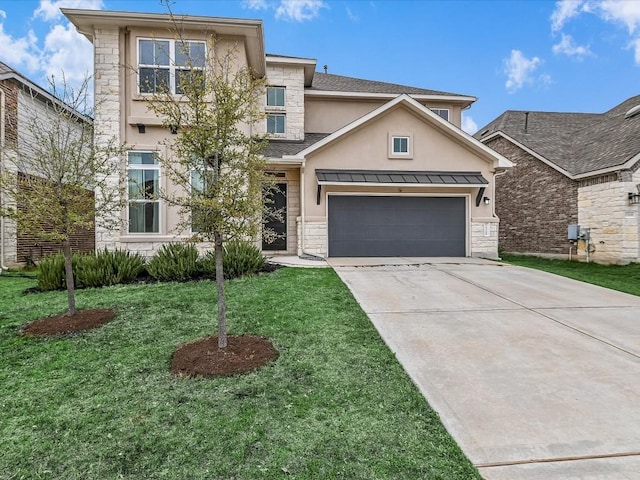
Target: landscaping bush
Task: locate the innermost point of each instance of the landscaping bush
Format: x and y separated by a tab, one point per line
238	259
108	267
99	269
175	262
51	273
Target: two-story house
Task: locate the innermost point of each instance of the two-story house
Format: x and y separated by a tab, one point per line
364	168
23	104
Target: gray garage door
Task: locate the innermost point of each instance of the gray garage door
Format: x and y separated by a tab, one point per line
377	226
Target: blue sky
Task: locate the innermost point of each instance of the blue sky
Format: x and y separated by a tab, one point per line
570	55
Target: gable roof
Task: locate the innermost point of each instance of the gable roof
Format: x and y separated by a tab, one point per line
576	144
426	114
8	73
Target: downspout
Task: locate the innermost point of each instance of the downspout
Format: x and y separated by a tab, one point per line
2	219
493	206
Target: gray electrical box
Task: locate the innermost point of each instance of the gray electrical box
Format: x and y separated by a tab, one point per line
573	232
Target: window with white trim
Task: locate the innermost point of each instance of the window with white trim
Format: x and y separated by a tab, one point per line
275	97
276	123
441	112
163	65
143	173
400	146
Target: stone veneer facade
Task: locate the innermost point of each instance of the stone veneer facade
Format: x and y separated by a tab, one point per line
614	224
534	202
292	78
10	91
107	79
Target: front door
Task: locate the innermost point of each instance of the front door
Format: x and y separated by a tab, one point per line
276	219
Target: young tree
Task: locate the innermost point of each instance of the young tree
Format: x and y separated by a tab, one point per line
50	180
215	167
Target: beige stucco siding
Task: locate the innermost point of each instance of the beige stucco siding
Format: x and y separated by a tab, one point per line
326	115
367	148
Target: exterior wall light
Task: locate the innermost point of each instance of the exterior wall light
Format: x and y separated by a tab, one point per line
486	200
141	127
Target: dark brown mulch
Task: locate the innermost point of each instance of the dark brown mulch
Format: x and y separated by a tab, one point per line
243	354
66	324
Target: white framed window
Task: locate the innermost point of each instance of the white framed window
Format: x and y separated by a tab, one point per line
276	97
400	146
276	123
164	64
441	112
143	174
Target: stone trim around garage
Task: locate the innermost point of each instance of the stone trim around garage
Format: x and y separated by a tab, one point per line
484	238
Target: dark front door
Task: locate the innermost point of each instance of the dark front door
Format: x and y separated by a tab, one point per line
380	226
276	219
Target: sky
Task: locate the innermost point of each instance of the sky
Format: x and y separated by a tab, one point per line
564	56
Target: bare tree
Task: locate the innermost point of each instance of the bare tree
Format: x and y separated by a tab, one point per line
215	167
54	182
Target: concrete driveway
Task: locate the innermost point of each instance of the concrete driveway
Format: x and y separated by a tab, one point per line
536	376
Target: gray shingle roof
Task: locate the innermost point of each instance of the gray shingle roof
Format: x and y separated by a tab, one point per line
403	177
279	148
579	143
338	83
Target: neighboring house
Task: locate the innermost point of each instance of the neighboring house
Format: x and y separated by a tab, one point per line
22	102
571	168
364	168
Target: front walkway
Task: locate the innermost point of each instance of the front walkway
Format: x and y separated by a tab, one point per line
534	375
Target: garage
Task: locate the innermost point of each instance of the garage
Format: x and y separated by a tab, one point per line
396	226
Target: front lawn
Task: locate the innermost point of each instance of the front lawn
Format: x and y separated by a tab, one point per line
335	405
625	278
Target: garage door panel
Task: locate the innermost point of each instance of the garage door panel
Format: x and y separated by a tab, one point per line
396	226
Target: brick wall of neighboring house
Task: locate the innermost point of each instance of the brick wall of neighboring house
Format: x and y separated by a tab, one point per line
31	249
535	203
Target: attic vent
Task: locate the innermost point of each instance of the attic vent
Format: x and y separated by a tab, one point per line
482	134
632	112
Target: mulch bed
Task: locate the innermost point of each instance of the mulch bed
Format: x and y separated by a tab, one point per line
243	354
68	324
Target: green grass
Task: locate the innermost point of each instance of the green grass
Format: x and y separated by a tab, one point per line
103	405
625	278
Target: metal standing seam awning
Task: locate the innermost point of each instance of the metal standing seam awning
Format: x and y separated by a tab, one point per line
401	178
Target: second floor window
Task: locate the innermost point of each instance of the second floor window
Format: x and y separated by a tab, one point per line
276	123
275	97
442	112
164	64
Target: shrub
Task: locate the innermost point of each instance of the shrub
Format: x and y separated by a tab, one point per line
238	259
51	273
175	262
108	267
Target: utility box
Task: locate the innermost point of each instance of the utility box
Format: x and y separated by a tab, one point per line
573	232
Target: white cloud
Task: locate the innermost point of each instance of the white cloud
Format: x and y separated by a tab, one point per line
299	10
569	48
255	4
468	125
626	12
49	10
3	14
20	53
67	52
565	10
519	70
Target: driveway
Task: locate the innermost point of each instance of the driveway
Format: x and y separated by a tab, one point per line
536	376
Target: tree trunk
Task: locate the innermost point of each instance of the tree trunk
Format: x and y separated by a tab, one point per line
68	270
222	304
